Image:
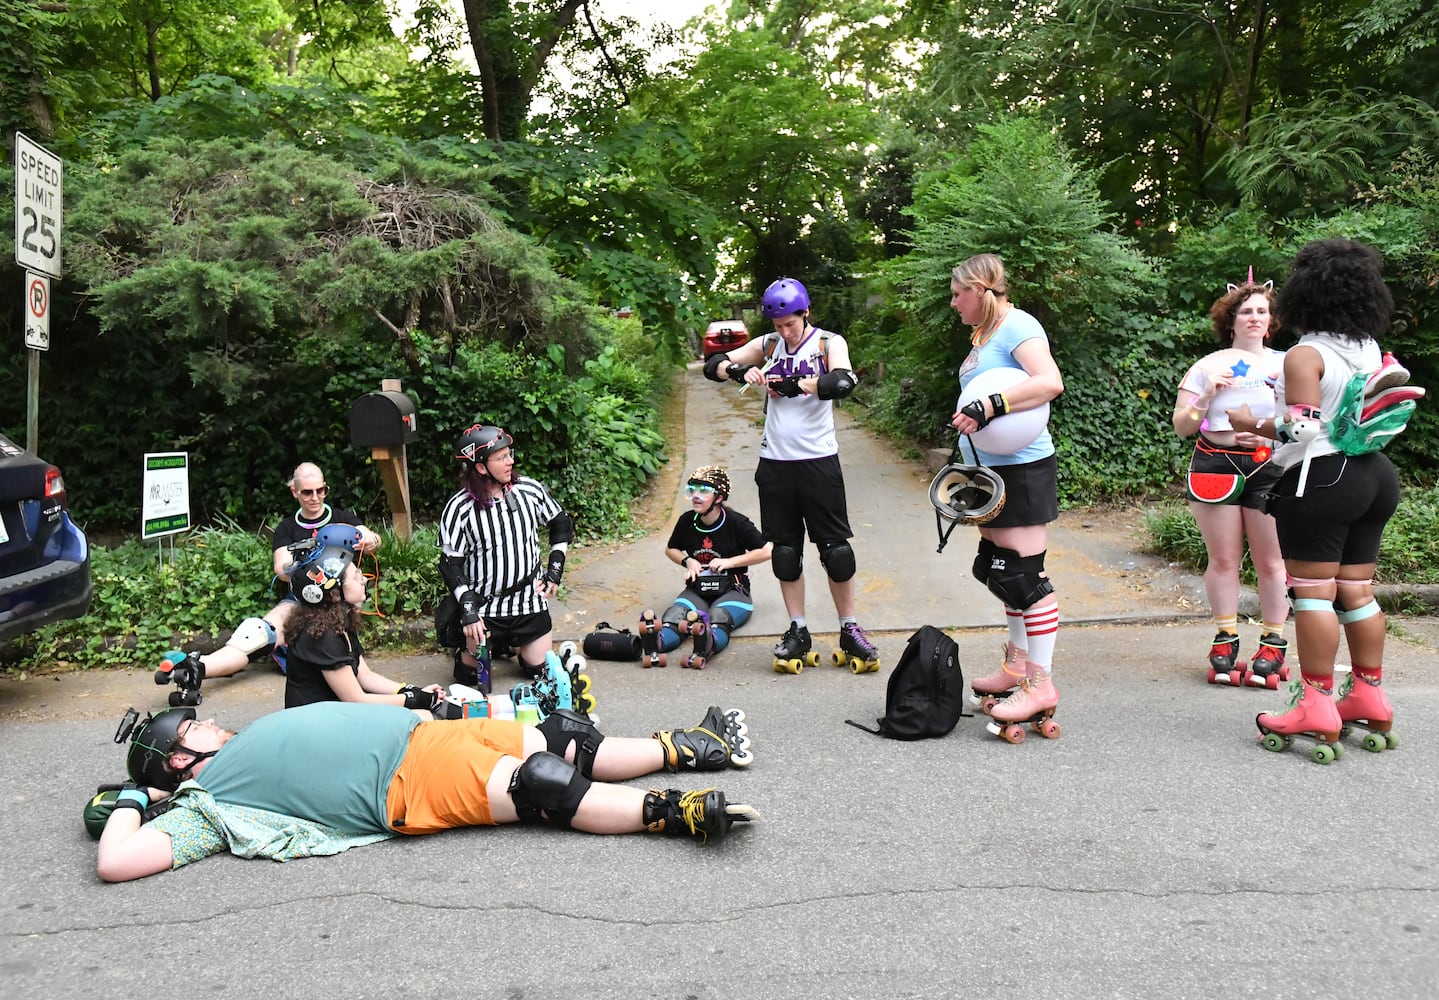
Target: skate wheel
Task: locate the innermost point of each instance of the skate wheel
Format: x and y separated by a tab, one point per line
1323	753
1391	741
1283	675
1213	677
1012	734
1049	729
838	657
587	704
583	685
987	703
856	665
566	650
1375	742
1274	742
660	660
811	659
1338	750
1236	678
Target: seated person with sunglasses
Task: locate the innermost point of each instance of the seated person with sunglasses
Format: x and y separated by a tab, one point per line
714	545
255	638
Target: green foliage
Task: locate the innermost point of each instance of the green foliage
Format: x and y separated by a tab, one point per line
144	605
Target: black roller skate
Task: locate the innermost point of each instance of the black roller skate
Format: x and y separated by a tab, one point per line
704	647
792	653
1224	665
1267	668
649	631
186	672
855	650
703	814
720	741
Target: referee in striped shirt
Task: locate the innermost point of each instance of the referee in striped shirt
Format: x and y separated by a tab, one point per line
490	557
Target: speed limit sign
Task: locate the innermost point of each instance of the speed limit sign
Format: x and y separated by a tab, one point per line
37	311
39	205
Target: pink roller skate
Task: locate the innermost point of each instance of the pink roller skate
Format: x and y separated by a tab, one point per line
1363	704
1310	713
987	691
1033	704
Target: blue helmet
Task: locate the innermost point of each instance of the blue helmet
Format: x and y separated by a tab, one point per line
784	298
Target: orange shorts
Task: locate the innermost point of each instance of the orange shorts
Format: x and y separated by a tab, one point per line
441	782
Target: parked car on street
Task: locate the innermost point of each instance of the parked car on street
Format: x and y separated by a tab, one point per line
44	556
724	335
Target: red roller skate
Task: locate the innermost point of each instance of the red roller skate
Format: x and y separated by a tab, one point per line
1224	665
1267	668
1310	713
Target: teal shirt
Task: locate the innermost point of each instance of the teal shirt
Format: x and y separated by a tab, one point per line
330	763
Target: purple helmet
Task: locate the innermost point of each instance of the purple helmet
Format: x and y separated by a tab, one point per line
784	298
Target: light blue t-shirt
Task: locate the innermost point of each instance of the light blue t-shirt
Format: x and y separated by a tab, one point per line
998	352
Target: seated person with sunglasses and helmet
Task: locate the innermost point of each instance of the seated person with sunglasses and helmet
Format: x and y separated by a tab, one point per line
255	638
715	546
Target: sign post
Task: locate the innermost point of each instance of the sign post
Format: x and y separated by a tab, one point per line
39	217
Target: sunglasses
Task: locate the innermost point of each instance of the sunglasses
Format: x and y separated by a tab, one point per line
318	491
699	490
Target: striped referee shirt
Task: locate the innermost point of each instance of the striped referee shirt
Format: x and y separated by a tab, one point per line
500	546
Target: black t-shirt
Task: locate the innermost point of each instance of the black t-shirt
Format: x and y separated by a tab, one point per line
289	530
309	658
733	536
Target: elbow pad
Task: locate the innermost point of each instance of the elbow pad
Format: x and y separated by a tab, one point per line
712	366
452	571
836	384
562	529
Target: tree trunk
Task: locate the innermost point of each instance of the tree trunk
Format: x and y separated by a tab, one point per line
510	60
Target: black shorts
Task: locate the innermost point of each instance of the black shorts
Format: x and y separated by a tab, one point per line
1347	501
1259	477
1031	493
513	631
795	496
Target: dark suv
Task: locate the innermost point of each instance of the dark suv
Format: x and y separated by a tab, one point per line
44	556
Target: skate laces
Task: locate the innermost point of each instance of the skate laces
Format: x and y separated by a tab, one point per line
692	810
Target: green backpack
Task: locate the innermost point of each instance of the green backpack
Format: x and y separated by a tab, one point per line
1361	426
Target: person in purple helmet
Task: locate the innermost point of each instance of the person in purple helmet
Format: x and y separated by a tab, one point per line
801	487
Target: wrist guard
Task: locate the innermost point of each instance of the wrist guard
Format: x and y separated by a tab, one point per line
735	371
133	798
556	567
998	404
418	698
469	608
974	410
788	386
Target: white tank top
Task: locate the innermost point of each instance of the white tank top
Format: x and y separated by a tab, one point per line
802	428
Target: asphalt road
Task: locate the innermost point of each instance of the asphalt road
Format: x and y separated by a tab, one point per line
1154	849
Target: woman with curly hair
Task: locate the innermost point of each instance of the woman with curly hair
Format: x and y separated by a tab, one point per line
1230	475
326	661
1331	507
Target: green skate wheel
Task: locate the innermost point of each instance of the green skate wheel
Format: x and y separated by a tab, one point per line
1324	754
1274	742
1375	742
1338	750
1391	741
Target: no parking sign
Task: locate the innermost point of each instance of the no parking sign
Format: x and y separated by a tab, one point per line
37	311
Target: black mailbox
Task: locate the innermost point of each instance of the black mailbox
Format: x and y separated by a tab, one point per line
382	420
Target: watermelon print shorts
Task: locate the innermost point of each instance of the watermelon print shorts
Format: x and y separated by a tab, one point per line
1215	471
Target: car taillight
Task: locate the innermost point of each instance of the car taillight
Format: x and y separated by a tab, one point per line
55	485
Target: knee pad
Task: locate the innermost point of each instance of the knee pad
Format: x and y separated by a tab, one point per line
787	561
675	613
721	618
1366	610
1018	581
254	637
548	787
837	558
563	729
982	560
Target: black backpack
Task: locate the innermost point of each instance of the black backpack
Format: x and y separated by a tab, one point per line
926	689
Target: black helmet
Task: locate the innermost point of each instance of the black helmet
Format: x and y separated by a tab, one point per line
969	494
151	745
480	441
312	579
